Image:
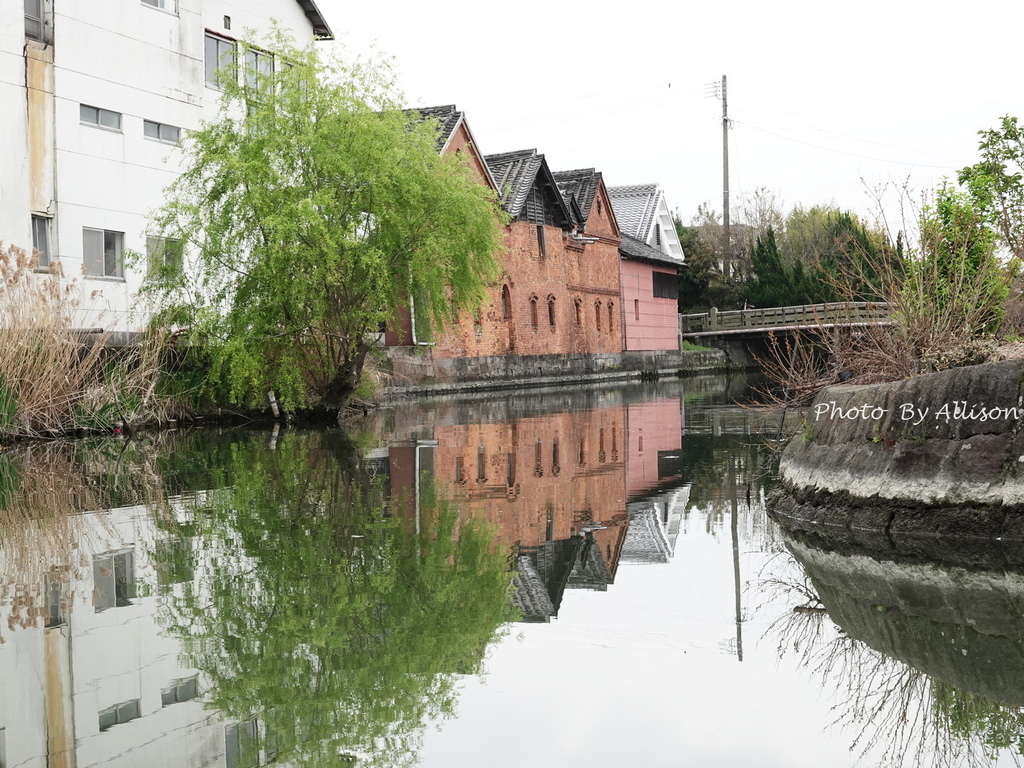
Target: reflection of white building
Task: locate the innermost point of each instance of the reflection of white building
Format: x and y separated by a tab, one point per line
654	524
91	679
96	97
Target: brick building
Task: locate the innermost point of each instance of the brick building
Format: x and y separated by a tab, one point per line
556	306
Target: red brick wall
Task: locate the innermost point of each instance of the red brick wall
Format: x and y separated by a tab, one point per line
538	500
568	271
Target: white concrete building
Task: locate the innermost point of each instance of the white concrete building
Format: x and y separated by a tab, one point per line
94	678
95	95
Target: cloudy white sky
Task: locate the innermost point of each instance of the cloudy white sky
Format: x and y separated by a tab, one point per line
828	101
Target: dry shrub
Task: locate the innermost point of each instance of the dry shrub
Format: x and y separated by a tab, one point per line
54	378
42	493
946	296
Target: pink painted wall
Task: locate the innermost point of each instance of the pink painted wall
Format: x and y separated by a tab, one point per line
658	323
651	428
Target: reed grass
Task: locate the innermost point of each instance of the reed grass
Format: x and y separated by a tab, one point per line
55	378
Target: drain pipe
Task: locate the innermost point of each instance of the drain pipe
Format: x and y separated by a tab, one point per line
412	318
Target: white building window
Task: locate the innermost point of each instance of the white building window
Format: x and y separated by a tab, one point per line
220	55
161	131
113	579
101	118
120	713
259	65
164	255
101	252
41	240
180	690
241	748
36	26
163	5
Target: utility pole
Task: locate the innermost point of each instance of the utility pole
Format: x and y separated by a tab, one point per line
727	241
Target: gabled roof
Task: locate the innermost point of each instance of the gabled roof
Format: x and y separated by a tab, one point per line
320	27
637	250
449	119
635	207
519	173
580	185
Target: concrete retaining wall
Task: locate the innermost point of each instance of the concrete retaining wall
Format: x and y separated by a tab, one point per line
946	438
415	371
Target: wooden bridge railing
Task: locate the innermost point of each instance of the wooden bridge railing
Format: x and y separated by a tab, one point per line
807	315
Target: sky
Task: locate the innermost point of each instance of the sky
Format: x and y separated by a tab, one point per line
828	103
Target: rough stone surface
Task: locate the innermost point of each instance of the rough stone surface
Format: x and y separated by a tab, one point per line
949	438
957	624
415	370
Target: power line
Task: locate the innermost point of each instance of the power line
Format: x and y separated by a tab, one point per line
844	152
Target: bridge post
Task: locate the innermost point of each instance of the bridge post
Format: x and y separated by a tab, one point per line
713	318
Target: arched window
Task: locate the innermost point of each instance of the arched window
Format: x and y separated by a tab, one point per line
597	314
506	303
611	317
533	312
551	311
578	311
636	308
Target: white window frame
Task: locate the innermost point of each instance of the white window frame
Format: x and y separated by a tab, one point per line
170	6
42	240
258	65
111	257
157	250
99	117
124	712
38	24
173	132
221	46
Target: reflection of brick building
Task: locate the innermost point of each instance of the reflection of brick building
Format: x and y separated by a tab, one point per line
555	486
552	485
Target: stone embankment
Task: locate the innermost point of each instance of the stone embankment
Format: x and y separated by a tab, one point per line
940	455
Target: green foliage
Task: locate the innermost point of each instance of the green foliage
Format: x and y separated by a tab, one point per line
702	284
8	406
969	716
956	271
338	622
776	284
313	207
995	182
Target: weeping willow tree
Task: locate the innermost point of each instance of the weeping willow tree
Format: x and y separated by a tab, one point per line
341	628
309	211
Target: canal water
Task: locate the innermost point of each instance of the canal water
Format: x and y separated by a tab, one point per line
583	577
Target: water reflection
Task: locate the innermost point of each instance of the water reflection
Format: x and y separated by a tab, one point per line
286	594
237	598
926	659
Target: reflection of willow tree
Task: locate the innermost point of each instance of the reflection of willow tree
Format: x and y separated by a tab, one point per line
899	713
339	627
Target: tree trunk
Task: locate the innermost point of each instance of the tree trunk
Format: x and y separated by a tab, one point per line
346	379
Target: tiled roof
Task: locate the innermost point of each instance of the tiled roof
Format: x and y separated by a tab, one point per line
631	248
320	27
635	207
447	117
580	185
514	173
